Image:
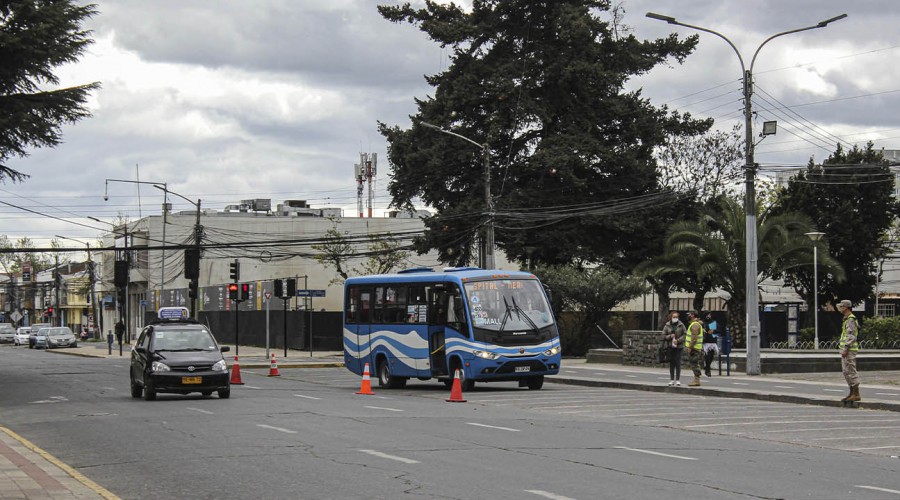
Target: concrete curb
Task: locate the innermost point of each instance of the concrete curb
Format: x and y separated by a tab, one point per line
701	391
252	365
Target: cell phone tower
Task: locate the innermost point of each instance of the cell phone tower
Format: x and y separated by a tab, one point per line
366	171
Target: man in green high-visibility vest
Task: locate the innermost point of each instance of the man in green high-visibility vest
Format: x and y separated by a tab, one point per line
849	346
694	342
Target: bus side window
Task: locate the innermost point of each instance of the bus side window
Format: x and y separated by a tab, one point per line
378	309
365	306
352	304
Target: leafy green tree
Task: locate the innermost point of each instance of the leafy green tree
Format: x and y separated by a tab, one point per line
542	84
37	36
713	249
582	297
849	197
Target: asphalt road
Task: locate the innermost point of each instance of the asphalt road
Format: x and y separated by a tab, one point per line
307	435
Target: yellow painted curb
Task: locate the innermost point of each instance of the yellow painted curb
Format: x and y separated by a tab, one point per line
96	488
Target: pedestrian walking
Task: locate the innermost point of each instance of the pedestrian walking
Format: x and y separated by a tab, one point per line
849	346
710	344
694	342
120	330
673	336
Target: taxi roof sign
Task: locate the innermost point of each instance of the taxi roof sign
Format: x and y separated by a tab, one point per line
173	313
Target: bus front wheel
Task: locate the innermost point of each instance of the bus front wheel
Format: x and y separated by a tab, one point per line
535	383
386	380
465	383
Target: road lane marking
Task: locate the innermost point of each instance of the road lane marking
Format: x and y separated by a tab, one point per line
381	408
547	494
873	448
896	492
108	388
52	399
252	387
739	383
570	371
819	429
390	457
493	427
279	429
307	397
784	386
654	453
200	410
886	394
788	422
833	390
631	376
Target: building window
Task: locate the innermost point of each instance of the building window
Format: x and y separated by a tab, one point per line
886	310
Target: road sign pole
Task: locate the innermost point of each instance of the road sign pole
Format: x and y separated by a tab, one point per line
286	302
268	299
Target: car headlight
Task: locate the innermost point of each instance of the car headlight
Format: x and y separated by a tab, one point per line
219	366
486	354
552	351
158	366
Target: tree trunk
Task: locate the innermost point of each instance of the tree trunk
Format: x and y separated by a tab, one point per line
736	323
662	291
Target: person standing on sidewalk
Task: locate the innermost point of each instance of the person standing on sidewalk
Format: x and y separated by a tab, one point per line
694	342
673	335
710	346
849	347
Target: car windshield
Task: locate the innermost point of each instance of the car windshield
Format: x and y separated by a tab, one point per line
184	340
511	304
57	332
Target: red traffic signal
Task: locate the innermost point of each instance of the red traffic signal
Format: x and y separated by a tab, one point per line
245	291
233	291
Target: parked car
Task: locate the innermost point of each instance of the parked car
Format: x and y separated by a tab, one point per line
32	336
21	337
7	334
60	336
40	338
178	355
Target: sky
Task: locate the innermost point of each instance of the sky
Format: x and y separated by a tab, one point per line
231	100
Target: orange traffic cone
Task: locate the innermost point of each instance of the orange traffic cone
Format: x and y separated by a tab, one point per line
236	373
366	387
273	370
456	390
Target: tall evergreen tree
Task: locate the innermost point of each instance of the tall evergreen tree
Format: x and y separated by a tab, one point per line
850	198
571	152
37	36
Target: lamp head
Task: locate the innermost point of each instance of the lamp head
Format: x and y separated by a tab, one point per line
105	197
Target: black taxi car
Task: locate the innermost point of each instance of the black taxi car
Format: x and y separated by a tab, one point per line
176	354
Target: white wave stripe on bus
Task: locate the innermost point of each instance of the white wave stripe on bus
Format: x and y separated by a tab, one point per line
418	348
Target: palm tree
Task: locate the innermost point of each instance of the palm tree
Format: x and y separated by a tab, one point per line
713	248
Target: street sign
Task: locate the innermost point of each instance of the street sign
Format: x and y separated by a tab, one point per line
16	316
268	294
310	293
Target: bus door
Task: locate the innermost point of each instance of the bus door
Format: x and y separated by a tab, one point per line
358	325
437	322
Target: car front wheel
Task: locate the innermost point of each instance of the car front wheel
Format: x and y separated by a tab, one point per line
224	393
149	392
136	390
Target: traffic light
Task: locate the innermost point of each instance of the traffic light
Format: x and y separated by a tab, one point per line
49	312
120	274
291	288
279	288
235	271
192	263
245	291
192	289
233	291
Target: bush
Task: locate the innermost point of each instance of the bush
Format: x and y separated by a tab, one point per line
882	330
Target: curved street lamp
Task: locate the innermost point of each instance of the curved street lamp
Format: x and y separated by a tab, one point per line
752	285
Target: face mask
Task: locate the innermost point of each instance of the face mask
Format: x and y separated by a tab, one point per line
674	319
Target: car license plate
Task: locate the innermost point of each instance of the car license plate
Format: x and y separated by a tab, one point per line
191	380
523	368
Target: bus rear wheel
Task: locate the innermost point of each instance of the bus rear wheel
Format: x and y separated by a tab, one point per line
386	380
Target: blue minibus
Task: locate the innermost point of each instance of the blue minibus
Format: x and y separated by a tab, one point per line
485	325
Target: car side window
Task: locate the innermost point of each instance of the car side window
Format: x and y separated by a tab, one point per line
144	339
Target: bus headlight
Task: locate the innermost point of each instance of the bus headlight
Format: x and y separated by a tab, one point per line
552	351
486	354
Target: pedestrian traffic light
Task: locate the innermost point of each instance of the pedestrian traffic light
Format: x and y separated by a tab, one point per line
233	291
279	288
235	271
245	291
291	288
49	311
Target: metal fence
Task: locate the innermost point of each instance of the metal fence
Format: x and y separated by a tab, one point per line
833	344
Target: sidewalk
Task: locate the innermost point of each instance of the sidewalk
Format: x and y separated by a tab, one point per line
27	471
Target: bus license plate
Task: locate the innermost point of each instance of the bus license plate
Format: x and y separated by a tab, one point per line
523	368
191	380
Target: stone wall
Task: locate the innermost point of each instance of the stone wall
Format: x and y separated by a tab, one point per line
639	347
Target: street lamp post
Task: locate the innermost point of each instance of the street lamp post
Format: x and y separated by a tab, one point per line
815	237
90	265
123	306
488	246
197	237
752	286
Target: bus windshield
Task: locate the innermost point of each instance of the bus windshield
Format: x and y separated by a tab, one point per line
506	305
